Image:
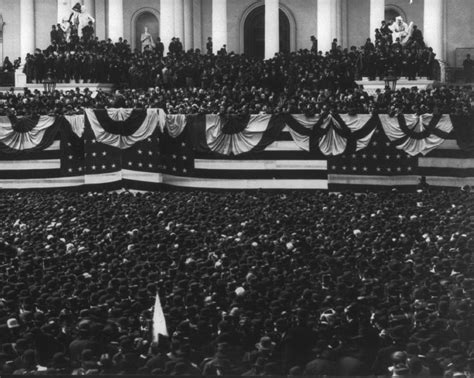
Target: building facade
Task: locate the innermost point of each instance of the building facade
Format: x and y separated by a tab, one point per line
256	27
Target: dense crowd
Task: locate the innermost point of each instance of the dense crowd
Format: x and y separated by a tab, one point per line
231	100
250	283
73	58
306	81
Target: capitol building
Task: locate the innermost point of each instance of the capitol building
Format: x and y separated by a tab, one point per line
254	27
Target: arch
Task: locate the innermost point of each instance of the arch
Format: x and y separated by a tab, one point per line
283	8
136	18
391	11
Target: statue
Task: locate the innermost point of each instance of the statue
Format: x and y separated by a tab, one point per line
401	30
80	18
147	40
66	28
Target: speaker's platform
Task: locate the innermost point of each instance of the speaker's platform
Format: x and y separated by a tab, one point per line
371	86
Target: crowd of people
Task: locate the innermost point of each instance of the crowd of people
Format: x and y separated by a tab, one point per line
233	100
307	81
74	58
258	283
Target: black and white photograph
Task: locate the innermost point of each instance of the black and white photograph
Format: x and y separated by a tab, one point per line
231	188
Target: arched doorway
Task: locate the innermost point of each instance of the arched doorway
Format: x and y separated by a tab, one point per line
254	33
392	12
149	19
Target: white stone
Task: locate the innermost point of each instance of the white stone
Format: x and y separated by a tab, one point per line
272	28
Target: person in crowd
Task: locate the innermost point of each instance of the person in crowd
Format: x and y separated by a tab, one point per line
160	47
314	44
209	46
468	67
8	66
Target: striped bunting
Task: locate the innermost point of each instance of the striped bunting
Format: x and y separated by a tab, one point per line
280	165
35	165
447	166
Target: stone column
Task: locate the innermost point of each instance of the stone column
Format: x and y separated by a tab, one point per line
115	18
219	24
27	28
188	25
329	23
166	22
64	9
272	28
90	7
179	20
434	27
377	15
197	24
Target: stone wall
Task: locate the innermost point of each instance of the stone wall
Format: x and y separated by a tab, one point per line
459	27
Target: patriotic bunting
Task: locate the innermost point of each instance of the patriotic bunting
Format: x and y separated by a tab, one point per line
175	124
300	127
144	148
417	134
124	128
234	135
27	134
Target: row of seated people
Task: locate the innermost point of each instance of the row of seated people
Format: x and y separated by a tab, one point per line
243	100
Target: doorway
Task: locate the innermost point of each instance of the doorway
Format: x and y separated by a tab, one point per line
254	33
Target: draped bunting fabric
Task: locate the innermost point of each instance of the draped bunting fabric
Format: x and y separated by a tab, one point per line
241	135
123	134
332	142
124	147
27	134
162	116
72	145
334	136
300	128
175	124
120	114
331	134
236	136
362	127
77	123
416	134
101	159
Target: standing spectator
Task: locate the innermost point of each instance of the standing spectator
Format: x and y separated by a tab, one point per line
7	65
209	46
54	35
314	44
160	47
417	37
468	66
88	31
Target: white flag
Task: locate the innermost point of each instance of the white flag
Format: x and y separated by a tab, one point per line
159	321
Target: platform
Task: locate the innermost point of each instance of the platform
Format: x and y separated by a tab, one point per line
93	87
371	86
